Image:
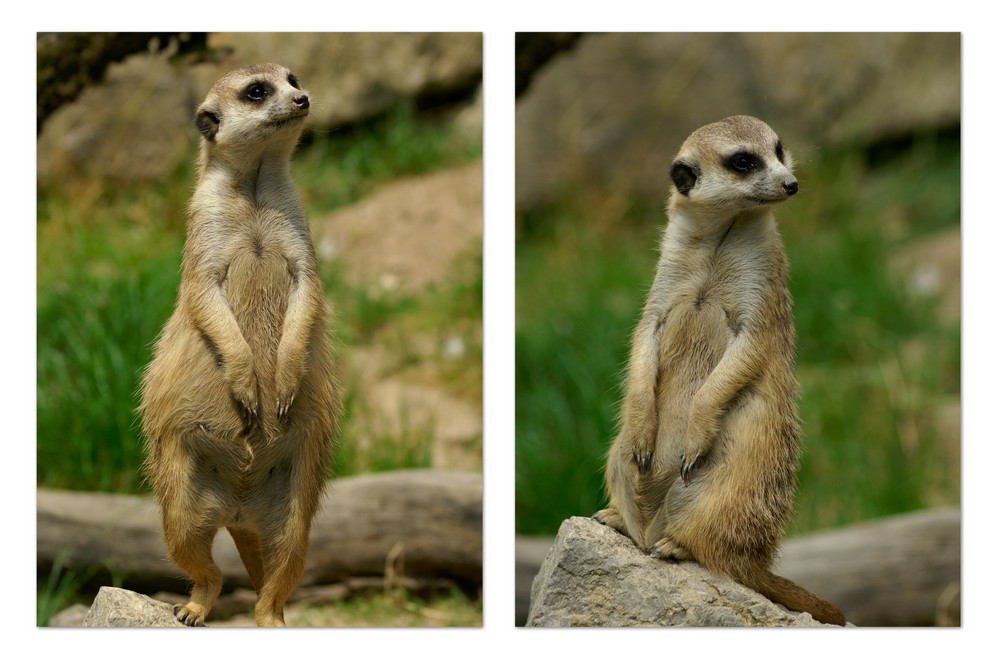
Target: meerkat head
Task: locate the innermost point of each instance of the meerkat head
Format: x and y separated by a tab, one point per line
733	164
253	105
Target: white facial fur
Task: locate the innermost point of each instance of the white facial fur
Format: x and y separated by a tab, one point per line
731	165
253	105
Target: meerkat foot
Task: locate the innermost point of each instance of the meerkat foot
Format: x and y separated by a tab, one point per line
668	549
610	517
190	614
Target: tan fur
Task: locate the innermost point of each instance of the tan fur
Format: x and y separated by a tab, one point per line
240	404
704	464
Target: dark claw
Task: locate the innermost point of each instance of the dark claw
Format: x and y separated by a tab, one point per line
688	468
183	618
284	410
642	462
251	414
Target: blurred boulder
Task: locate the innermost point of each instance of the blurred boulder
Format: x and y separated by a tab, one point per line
138	123
354	76
615	109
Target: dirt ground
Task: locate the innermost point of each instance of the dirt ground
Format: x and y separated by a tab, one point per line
405	238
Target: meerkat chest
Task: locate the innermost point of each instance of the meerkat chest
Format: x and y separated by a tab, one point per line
711	295
261	261
710	283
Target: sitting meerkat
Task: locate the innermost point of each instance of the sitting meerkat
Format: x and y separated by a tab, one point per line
704	464
240	403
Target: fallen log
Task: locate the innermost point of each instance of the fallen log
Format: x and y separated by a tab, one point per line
903	570
414	523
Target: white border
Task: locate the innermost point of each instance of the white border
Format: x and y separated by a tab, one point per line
499	641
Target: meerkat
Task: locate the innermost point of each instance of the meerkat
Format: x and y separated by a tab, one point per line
240	404
704	464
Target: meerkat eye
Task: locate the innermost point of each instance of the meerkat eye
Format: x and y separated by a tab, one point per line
293	81
255	92
743	162
780	151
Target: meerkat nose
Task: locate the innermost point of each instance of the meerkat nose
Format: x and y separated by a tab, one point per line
302	101
791	188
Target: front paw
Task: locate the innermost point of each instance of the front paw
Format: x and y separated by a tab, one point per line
695	449
243	386
286	396
288	379
687	467
643	447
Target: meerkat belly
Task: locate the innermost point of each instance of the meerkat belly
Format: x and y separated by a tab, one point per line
256	287
693	340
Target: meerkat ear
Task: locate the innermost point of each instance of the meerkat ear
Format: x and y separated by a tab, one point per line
207	122
684	176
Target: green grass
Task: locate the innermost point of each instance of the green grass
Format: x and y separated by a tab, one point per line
108	268
874	362
348	165
397	607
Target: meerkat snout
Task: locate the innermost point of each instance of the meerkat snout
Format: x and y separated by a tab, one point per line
791	188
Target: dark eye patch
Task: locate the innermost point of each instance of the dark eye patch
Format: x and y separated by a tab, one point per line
256	92
743	162
293	80
780	151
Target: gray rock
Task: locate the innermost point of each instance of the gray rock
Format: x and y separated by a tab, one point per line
120	608
594	576
71	617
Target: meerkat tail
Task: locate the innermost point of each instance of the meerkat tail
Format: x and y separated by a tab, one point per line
794	597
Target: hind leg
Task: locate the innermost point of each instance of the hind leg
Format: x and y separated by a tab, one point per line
191	549
191	512
248	545
621	483
610	517
668	549
284	557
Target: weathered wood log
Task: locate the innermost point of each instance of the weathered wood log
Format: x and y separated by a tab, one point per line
413	522
903	570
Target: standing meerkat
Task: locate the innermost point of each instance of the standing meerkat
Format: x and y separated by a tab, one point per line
240	404
704	464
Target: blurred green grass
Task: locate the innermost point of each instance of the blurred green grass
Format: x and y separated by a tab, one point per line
875	363
108	268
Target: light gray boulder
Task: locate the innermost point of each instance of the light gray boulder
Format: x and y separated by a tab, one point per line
120	608
594	576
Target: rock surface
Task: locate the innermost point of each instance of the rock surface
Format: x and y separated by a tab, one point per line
613	110
594	576
126	128
119	608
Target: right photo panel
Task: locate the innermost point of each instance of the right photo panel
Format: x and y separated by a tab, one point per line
738	325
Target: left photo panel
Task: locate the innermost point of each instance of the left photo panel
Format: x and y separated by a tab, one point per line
260	341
